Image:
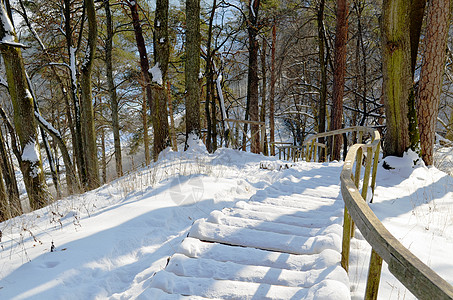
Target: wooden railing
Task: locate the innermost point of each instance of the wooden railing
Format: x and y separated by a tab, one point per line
417	277
238	126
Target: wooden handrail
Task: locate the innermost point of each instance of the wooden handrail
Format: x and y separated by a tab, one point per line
416	276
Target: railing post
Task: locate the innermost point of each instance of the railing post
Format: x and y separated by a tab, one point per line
263	134
346	244
315	152
374	276
360	137
366	177
312	148
358	168
375	166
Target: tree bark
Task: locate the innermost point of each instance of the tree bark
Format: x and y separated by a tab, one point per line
159	110
112	90
416	21
272	91
341	38
174	143
30	164
397	77
89	134
263	93
145	129
432	74
192	68
78	142
210	83
323	68
5	211
144	64
71	178
253	79
9	177
61	84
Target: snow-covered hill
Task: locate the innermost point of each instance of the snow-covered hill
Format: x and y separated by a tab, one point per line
111	241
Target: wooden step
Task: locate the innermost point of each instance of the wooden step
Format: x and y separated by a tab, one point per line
246	237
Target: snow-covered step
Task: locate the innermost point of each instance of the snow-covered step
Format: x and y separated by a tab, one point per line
229	289
182	265
218	217
296	212
250	256
207	231
316	221
158	294
304	204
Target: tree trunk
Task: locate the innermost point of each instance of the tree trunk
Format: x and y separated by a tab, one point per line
174	143
263	94
145	129
78	149
112	90
31	164
272	91
71	178
341	38
89	134
9	177
5	211
210	84
416	21
432	74
323	68
214	114
144	64
103	157
59	79
192	68
161	53
45	141
396	70
253	79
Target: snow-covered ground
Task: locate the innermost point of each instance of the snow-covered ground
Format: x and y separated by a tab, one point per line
110	242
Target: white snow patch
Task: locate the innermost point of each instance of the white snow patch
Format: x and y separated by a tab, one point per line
72	63
156	73
30	152
28	94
